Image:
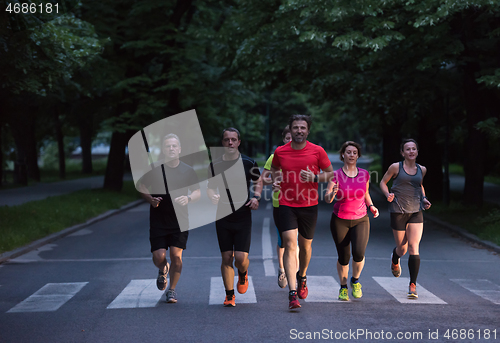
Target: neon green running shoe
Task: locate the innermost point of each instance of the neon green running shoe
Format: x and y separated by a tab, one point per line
356	290
344	294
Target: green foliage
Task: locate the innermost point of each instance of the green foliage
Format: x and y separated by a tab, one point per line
40	50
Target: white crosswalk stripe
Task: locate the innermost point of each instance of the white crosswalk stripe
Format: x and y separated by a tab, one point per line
322	289
138	293
49	298
398	287
483	288
218	293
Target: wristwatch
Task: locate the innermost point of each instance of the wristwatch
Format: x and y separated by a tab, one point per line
258	197
316	178
189	199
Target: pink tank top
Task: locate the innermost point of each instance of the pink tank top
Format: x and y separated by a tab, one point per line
350	199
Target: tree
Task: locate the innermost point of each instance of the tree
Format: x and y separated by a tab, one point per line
38	50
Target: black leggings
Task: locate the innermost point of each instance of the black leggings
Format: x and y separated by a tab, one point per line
345	231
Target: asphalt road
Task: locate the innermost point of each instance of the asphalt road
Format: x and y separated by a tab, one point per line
98	285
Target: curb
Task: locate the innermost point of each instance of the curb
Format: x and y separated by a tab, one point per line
454	228
57	235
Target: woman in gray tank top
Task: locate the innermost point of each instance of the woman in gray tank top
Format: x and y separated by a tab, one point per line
406	201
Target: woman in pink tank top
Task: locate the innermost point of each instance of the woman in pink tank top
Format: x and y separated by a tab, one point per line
350	223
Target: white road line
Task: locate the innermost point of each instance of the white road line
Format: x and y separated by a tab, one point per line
398	287
269	206
267	249
49	298
218	293
269	268
322	289
138	293
484	288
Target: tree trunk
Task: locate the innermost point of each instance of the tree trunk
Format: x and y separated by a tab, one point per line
113	179
22	124
430	152
476	143
83	111
391	140
85	126
60	144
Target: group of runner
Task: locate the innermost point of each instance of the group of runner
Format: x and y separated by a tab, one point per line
294	170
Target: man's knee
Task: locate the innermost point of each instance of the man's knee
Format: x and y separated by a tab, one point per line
227	258
159	255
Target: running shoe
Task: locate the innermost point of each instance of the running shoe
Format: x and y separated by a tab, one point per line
171	296
396	268
229	301
412	291
161	281
242	283
302	286
356	290
282	281
293	301
344	294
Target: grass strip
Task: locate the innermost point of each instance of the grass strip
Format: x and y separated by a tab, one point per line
23	224
484	222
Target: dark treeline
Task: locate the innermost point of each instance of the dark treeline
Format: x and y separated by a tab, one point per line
370	71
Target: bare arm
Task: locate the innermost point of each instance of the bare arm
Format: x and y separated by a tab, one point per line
331	190
257	191
309	176
427	203
153	201
183	200
389	174
266	177
213	196
369	202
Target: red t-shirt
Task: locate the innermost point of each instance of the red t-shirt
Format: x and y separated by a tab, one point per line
295	192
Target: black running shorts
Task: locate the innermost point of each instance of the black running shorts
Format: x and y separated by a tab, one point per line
399	220
178	239
234	235
303	218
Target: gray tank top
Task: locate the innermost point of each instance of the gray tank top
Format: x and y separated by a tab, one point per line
407	191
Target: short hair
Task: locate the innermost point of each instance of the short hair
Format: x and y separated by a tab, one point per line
285	131
304	117
231	129
408	140
171	135
345	145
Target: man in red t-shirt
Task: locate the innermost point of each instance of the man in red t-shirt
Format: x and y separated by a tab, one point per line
301	162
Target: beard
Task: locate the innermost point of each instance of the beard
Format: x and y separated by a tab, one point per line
299	138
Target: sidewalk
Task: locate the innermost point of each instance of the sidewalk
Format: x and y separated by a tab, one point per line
42	190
